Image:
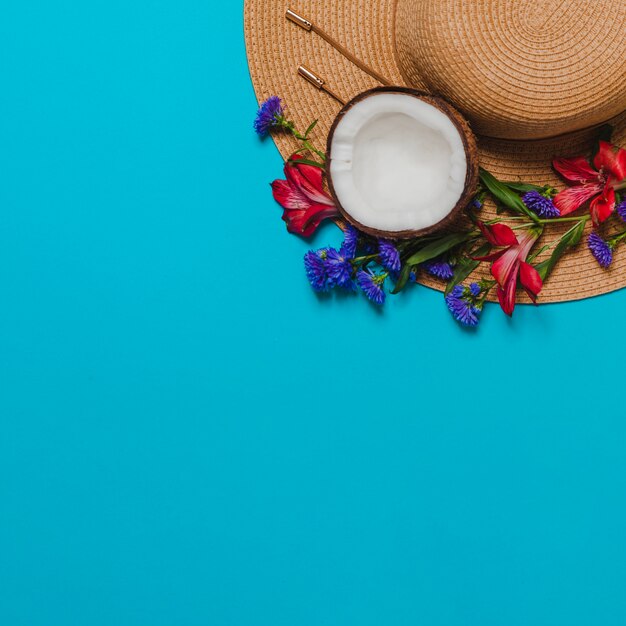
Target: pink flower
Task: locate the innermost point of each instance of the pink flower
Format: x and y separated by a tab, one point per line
510	263
598	184
303	198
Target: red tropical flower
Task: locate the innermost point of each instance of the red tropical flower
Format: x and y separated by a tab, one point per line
599	181
303	197
510	263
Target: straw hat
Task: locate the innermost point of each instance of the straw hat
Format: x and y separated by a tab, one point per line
535	78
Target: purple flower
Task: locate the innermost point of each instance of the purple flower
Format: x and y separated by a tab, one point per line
475	289
540	205
350	241
372	285
601	250
439	268
339	269
476	204
621	210
316	270
389	256
268	116
462	304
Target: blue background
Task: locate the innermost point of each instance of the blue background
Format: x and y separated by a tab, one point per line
190	436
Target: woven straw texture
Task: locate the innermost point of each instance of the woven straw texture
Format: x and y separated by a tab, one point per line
522	69
500	64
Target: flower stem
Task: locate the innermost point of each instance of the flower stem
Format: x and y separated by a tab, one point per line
618	238
362	259
555	243
552	220
487	286
307	144
563	220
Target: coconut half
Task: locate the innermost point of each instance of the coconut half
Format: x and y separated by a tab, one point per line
401	163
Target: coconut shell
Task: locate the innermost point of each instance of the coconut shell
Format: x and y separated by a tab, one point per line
471	152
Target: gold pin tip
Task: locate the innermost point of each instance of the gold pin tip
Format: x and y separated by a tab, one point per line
292	16
312	77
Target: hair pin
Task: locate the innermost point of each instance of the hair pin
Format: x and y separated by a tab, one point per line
307	25
318	82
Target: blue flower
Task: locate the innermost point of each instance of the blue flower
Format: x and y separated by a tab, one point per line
372	285
339	269
316	269
601	250
476	204
389	256
439	268
621	210
268	116
462	304
540	205
350	241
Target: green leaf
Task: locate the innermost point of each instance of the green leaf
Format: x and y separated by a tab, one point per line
577	235
570	239
465	267
504	194
310	128
438	247
523	187
308	162
403	279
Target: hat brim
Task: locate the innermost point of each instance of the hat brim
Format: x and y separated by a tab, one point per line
276	47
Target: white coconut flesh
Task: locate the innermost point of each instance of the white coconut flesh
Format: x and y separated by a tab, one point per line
397	163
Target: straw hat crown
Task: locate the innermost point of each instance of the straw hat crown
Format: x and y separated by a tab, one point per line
518	69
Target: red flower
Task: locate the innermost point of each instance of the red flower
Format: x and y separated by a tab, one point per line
510	263
303	197
599	183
